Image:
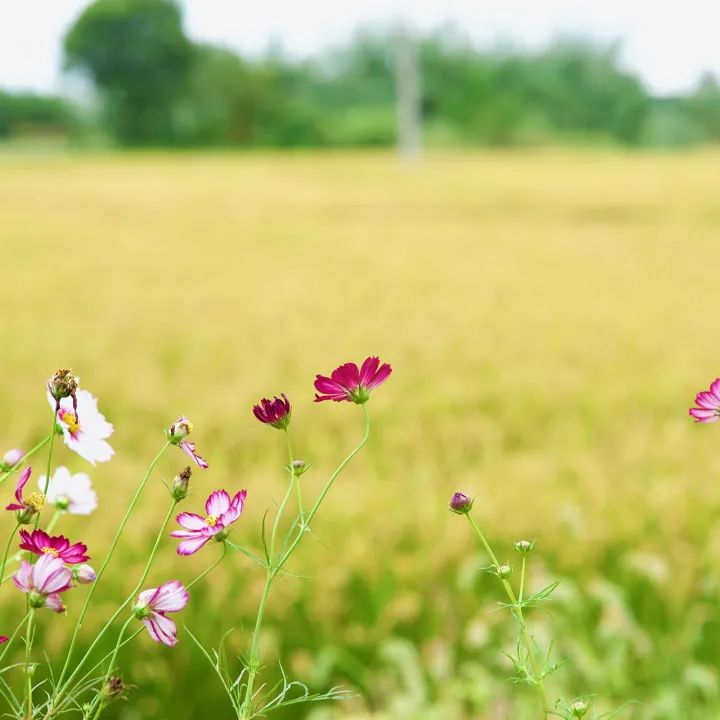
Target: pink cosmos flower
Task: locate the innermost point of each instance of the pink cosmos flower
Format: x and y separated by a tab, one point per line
348	383
85	432
3	639
154	603
275	412
26	507
221	513
43	582
40	543
708	404
70	493
177	433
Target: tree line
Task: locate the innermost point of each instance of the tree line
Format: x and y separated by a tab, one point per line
156	87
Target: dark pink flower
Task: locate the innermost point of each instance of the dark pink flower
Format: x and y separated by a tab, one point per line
43	582
348	383
708	404
26	507
3	639
154	603
275	412
221	513
177	433
40	543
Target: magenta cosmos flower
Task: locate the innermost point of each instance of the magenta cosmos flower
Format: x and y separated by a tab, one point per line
43	582
708	404
154	603
177	433
221	513
26	507
348	383
40	543
275	412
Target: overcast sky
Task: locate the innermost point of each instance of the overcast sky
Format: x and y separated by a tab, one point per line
669	44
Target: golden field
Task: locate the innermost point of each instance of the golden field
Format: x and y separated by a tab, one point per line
549	316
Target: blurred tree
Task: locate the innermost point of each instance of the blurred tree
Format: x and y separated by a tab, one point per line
138	56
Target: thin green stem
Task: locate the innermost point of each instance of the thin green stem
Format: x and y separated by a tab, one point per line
521	592
100	573
210	569
28	672
7	550
295	478
49	460
53	521
9	642
27	455
537	677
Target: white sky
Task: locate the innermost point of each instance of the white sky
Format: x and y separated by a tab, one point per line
668	43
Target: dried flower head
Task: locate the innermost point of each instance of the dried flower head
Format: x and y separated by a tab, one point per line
180	483
176	435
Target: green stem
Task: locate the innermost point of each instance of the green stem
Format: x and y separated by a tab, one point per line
100	573
274	568
537	678
9	642
7	550
53	521
295	478
210	569
27	455
28	673
49	461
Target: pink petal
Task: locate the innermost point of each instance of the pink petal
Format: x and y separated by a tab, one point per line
704	416
191	546
161	629
189	449
145	595
169	597
326	385
54	602
217	503
380	376
347	375
236	508
368	369
707	400
715	388
50	575
191	521
22	481
22	577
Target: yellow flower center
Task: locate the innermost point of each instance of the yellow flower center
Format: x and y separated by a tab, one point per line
35	501
211	520
49	551
69	419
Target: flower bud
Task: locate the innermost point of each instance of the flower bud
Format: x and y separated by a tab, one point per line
524	546
84	574
179	430
179	489
62	384
504	572
460	503
113	687
11	458
578	709
299	467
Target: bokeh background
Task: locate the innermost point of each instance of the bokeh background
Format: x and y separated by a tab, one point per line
527	231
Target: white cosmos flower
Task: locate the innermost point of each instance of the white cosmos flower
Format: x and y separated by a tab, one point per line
72	493
86	435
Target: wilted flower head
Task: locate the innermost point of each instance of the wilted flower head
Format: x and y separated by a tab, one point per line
154	603
84	427
114	687
347	382
460	503
40	543
275	412
708	404
221	513
181	481
68	492
11	458
26	507
63	384
84	574
177	433
43	582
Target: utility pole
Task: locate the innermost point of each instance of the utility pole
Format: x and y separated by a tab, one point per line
407	81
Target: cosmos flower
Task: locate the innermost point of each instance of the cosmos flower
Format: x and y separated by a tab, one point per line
177	433
221	513
68	492
43	582
708	404
40	543
86	430
348	383
26	507
275	412
154	603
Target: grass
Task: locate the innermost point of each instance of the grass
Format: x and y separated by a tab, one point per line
549	316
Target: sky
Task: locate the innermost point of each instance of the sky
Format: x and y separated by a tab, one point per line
668	44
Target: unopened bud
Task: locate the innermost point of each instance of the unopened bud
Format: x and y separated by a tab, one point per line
524	546
84	574
179	489
299	467
578	709
504	572
179	430
11	458
460	503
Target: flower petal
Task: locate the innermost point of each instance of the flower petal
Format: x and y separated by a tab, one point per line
162	629
191	521
169	597
218	503
192	545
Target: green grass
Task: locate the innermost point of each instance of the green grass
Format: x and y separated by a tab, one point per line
549	316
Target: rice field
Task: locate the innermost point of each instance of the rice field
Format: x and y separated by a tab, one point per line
549	316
